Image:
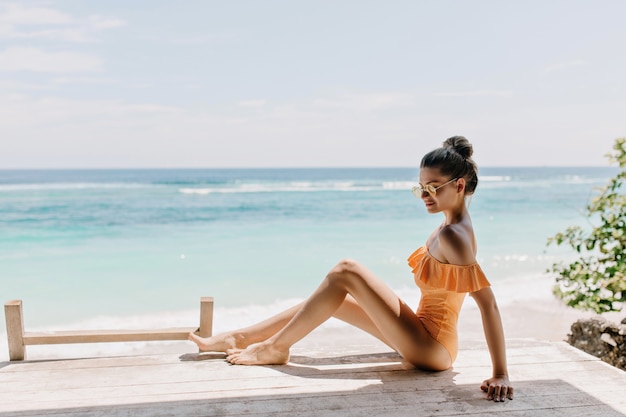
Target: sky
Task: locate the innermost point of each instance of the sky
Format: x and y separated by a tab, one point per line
319	83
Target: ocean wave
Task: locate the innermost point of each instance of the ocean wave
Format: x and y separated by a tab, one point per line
398	185
578	179
220	187
494	178
69	186
314	186
296	186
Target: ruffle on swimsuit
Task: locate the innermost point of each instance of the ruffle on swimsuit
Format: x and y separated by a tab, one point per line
443	288
450	277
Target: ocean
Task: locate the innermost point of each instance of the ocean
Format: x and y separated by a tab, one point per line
124	248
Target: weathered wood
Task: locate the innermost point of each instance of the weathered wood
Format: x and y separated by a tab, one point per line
558	381
104	336
18	339
15	329
206	316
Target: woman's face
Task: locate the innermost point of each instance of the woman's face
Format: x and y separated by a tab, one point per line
438	192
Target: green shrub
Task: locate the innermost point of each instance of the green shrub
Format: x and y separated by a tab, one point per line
597	279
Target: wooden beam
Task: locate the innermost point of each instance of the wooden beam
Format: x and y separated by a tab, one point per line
15	330
100	336
206	316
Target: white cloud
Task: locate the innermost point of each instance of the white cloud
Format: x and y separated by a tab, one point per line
64	34
84	80
475	93
36	60
148	108
366	102
28	22
100	22
5	30
560	66
19	109
12	86
60	132
17	14
199	39
252	103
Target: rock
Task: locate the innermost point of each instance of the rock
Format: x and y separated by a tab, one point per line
606	338
602	339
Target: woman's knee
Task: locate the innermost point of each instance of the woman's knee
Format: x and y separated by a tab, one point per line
346	271
347	267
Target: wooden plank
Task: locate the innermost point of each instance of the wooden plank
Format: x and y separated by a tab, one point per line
559	381
15	329
218	380
532	394
123	374
256	408
329	395
91	363
100	336
206	316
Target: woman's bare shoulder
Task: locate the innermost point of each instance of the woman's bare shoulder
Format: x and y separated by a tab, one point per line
456	244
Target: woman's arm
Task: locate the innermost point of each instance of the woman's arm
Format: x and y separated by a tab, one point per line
498	386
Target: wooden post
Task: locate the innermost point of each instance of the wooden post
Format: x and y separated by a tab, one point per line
206	316
15	330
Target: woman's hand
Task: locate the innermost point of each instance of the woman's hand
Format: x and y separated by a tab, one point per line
498	388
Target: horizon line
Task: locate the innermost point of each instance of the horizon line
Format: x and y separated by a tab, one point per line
280	167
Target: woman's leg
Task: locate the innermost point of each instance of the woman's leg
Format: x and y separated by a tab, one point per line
395	323
349	311
242	338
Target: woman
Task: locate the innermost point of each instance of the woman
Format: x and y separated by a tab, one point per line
445	270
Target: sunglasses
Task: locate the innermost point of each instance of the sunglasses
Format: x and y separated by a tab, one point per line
420	189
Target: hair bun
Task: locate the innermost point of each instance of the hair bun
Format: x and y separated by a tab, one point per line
460	145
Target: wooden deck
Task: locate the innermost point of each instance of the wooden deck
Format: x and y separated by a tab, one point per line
551	379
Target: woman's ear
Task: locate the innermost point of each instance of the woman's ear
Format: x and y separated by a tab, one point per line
460	185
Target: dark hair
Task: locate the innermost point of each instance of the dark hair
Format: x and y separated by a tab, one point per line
454	159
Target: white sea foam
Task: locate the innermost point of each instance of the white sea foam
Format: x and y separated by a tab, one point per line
307	186
59	186
494	178
398	185
577	179
281	188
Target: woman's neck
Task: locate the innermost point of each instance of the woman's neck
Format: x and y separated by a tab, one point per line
456	215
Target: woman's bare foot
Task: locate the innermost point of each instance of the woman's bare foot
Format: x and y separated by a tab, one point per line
219	343
258	354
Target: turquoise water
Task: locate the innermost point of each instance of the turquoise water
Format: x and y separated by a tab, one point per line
76	245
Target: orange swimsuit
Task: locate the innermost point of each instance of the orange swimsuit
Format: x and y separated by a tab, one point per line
443	287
